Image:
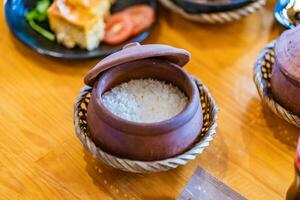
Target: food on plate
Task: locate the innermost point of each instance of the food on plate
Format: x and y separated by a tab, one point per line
86	23
118	29
129	22
142	17
75	24
285	80
39	14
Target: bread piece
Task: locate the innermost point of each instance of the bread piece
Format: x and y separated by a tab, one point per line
76	25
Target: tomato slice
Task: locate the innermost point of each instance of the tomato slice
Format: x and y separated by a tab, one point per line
142	16
118	28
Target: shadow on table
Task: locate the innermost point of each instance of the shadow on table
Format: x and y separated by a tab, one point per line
283	131
215	157
259	116
125	185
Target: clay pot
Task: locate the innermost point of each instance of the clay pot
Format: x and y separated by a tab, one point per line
143	141
285	80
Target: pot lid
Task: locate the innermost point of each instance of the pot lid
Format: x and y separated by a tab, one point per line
135	51
287	53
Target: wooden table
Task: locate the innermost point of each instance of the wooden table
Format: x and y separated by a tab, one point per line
41	158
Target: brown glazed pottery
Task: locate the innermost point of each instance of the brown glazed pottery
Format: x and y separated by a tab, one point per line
143	141
285	80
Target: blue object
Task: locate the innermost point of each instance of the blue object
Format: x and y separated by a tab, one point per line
279	16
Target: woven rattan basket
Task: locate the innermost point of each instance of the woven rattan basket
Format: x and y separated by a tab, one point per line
262	76
216	17
209	108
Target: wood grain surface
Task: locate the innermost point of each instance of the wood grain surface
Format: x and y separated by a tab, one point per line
41	158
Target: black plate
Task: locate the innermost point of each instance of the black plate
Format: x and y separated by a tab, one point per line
209	7
278	12
14	13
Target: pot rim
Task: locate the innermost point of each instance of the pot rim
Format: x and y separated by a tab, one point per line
156	128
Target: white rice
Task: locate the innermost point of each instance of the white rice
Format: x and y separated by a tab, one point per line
145	100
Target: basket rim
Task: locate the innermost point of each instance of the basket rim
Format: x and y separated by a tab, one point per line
216	17
264	91
172	162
